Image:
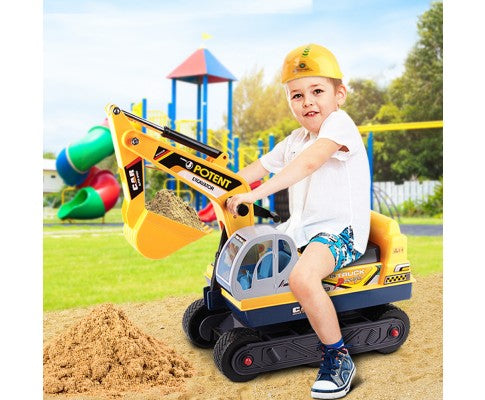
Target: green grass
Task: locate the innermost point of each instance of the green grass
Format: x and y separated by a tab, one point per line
83	267
420	221
89	265
425	254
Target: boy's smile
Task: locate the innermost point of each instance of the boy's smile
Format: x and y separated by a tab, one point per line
313	99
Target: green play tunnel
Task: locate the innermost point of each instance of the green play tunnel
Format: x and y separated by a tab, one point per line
86	204
94	147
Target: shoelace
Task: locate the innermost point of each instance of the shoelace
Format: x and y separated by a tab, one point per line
332	359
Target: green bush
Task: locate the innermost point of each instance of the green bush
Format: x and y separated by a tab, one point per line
434	204
431	207
411	209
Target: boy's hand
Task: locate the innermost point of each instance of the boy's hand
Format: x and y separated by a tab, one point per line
233	202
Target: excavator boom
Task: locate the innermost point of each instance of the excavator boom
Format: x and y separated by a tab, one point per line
154	235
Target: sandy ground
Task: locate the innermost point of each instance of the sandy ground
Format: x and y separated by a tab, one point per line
413	372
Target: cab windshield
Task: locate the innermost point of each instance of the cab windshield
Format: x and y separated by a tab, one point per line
227	257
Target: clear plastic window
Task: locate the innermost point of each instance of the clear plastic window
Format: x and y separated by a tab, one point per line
254	254
284	254
227	257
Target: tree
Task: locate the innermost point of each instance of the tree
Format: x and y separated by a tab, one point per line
257	107
415	96
364	99
49	155
279	131
109	163
420	90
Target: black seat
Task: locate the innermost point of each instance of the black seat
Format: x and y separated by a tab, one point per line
371	254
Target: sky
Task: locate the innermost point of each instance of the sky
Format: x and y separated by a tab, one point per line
119	51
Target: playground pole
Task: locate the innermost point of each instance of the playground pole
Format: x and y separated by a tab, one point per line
236	153
370	156
204	109
173	107
199	98
172	115
260	154
271	144
204	122
144	113
199	111
229	122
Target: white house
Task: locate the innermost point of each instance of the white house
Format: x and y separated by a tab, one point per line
52	181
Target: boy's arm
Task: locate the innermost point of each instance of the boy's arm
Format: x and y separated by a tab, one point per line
253	172
303	165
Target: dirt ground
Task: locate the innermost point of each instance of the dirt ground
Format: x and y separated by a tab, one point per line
411	373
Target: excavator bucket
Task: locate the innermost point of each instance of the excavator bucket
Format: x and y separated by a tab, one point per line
156	236
153	235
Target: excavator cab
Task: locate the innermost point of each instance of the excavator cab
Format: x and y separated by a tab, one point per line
256	261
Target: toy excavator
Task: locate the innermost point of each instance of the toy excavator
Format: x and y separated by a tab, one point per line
248	313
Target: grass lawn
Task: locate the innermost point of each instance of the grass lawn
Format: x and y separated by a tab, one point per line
86	265
425	254
114	216
90	266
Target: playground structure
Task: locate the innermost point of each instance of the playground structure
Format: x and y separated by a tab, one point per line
98	189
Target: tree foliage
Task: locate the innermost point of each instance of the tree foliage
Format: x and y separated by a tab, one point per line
364	100
257	107
415	96
419	92
49	155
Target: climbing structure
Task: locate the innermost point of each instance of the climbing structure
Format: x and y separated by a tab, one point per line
202	68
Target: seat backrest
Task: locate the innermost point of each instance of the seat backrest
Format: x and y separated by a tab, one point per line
371	255
265	268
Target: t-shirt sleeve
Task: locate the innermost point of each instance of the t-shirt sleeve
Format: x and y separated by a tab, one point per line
274	161
340	128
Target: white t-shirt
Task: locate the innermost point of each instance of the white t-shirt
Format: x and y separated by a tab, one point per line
337	194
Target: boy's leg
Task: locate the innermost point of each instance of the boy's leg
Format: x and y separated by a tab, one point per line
316	263
337	368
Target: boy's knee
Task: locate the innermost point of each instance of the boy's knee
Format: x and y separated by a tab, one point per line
299	279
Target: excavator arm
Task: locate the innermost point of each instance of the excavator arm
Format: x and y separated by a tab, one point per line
154	235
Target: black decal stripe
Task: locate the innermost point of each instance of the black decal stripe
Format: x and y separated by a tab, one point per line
134	171
173	160
160	152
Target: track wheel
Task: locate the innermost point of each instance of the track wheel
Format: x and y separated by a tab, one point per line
225	348
193	317
399	332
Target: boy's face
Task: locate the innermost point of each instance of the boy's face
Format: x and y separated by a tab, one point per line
312	99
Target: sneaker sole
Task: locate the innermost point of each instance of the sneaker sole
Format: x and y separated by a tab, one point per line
335	395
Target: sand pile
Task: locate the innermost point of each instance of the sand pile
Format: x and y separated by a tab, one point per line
171	206
106	353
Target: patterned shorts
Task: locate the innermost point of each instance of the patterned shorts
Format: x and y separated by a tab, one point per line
341	246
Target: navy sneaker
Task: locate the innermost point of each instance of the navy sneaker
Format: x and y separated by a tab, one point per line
335	375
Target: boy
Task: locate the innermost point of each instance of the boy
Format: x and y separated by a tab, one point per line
324	165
